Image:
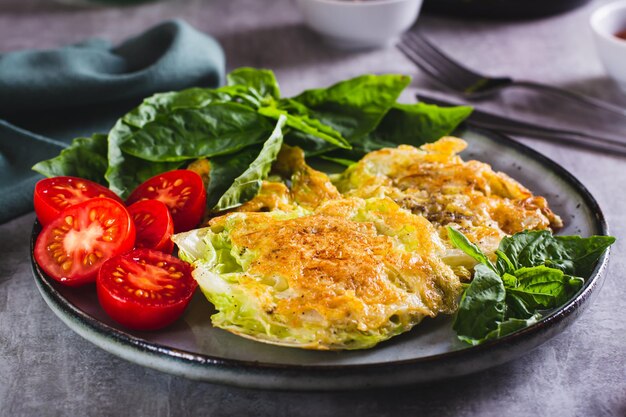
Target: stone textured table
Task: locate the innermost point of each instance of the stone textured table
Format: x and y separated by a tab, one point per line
47	370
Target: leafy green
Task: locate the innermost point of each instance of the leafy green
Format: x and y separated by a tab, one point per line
125	172
411	124
248	184
419	123
84	158
340	161
262	81
229	125
356	106
307	125
351	108
165	103
573	255
459	240
541	287
224	170
523	283
482	307
184	134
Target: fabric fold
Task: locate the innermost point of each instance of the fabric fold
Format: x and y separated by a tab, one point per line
49	97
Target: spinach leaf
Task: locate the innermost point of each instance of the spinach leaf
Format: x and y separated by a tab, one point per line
410	124
482	306
84	158
185	134
339	161
356	106
541	287
261	80
164	103
485	311
512	294
509	326
345	111
573	255
224	170
417	124
459	240
125	172
305	124
173	139
248	184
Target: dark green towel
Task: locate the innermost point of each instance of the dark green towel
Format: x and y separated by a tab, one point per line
47	98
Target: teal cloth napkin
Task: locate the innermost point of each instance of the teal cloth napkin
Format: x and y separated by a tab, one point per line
49	97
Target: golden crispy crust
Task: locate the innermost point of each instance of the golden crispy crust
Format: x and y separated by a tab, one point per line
433	181
351	263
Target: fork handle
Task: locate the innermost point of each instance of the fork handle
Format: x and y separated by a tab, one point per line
578	97
564	137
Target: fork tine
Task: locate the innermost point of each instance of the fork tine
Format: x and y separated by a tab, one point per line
452	71
430	69
418	34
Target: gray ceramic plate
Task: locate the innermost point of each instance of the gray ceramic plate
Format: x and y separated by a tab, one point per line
194	349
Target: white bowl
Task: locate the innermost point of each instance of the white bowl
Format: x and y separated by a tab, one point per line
606	21
353	24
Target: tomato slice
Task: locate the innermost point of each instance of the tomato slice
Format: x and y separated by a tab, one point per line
154	225
145	289
58	193
72	247
183	193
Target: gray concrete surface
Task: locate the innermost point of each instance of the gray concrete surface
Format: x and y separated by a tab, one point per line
47	370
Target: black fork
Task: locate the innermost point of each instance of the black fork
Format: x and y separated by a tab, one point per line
473	85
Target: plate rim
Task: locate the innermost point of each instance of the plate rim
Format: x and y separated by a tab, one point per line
128	340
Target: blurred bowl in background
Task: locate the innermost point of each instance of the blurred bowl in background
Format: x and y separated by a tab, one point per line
608	23
360	24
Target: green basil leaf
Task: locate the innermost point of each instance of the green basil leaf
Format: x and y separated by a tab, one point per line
304	124
84	158
339	161
352	108
417	124
356	106
184	134
541	287
125	172
482	306
573	255
460	241
516	307
410	124
165	103
224	170
261	80
248	184
511	325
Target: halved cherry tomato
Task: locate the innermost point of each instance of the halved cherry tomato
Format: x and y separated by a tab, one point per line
183	193
145	289
154	225
57	193
72	247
